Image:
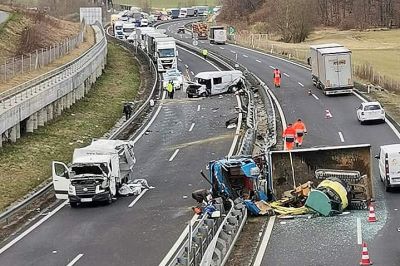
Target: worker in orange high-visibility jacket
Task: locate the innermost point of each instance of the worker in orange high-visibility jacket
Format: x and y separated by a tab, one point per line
277	78
289	135
301	130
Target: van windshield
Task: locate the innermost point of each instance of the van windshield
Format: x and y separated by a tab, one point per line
94	169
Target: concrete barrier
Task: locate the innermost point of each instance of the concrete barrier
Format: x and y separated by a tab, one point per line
41	102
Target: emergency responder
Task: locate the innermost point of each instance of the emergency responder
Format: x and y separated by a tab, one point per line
205	53
301	130
289	137
277	78
170	89
127	110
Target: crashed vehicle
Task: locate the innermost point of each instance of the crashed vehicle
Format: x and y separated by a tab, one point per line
215	82
96	173
175	76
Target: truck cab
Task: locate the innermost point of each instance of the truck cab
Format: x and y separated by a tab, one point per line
128	28
166	54
118	32
96	173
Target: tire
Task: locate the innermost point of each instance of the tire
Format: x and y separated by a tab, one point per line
203	94
361	122
190	96
74	204
387	188
109	199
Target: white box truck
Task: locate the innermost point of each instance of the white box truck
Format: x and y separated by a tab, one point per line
128	28
118	33
218	35
166	54
96	173
331	69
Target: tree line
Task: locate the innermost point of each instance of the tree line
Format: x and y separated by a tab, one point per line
293	20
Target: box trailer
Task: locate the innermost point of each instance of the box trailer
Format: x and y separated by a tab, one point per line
332	71
218	35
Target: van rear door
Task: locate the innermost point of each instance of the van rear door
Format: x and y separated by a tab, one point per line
394	168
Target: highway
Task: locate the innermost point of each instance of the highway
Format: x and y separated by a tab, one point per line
322	241
184	136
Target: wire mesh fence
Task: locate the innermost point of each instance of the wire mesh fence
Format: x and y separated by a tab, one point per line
40	58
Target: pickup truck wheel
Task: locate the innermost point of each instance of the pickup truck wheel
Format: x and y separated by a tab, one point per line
73	204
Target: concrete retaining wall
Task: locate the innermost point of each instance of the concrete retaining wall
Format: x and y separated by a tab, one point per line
40	103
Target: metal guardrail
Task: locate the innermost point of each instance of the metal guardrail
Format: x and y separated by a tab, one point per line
90	54
8	214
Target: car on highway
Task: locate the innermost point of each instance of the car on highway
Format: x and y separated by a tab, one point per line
175	76
181	30
370	111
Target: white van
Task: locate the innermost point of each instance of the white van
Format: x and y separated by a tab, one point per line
389	165
216	82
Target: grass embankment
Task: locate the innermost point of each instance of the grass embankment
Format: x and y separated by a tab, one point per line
167	4
381	49
27	163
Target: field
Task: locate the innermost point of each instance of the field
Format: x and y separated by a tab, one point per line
169	3
380	48
26	163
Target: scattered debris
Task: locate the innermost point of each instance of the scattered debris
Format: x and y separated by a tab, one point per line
231	123
133	188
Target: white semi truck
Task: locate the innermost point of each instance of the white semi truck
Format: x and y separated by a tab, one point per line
165	54
128	28
218	35
96	173
331	68
118	32
149	42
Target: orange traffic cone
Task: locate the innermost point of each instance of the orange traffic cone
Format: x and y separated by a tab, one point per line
365	261
328	114
371	215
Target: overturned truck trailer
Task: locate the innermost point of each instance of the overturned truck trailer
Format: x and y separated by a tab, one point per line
350	165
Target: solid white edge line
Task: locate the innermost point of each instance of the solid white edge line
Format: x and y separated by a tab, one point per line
238	128
359	232
173	155
315	96
341	136
270	55
75	260
178	242
390	124
151	121
191	127
198	108
300	84
138	198
287	75
264	241
30	229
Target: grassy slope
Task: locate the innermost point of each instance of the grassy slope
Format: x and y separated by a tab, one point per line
166	4
26	163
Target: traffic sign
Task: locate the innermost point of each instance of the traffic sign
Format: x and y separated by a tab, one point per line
231	30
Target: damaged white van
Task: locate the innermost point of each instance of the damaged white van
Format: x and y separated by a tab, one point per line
216	82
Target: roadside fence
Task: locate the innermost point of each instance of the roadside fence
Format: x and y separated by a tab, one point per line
40	58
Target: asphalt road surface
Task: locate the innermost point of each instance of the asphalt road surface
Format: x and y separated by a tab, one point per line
322	241
185	136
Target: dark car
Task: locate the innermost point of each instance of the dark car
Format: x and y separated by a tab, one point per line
181	30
